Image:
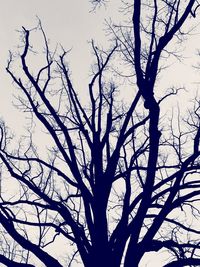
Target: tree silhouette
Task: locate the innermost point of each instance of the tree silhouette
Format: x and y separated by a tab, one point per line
118	180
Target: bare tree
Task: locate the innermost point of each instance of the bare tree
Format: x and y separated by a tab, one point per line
118	180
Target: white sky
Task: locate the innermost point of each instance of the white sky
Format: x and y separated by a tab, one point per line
69	22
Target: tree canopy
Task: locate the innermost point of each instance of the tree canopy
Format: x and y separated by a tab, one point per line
117	179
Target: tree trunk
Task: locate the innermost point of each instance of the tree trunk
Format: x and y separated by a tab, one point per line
100	257
133	257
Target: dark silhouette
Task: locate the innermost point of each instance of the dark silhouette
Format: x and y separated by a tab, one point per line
119	180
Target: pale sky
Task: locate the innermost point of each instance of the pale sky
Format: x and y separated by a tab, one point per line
70	23
66	22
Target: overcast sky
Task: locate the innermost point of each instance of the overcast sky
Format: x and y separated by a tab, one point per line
70	23
67	22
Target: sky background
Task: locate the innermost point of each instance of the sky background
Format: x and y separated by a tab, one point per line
72	24
65	22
